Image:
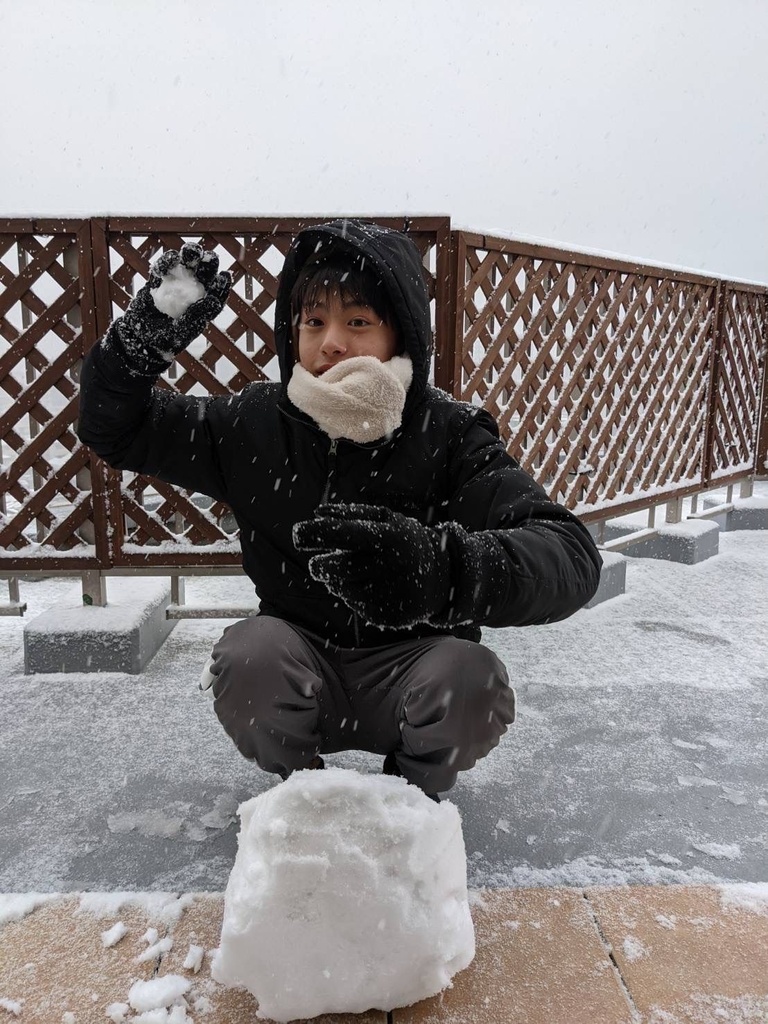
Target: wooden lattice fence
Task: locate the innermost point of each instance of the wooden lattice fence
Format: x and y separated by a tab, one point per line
68	510
616	385
48	494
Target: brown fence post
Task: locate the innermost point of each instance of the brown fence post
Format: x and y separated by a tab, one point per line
715	355
450	318
98	309
445	305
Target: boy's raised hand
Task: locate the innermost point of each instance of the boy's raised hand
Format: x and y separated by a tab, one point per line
389	568
151	338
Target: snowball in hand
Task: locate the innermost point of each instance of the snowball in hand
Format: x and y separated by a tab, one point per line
348	893
177	291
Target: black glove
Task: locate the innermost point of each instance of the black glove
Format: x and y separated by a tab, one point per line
387	567
151	339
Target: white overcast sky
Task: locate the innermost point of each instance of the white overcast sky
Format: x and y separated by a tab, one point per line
631	127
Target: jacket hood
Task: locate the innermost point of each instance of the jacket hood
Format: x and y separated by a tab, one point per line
397	260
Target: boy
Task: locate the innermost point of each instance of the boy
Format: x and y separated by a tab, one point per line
381	521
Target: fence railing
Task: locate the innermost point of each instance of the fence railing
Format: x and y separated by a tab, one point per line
618	386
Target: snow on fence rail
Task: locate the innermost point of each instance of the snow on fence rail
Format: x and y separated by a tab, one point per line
617	386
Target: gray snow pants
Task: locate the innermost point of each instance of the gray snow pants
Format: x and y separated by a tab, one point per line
283	695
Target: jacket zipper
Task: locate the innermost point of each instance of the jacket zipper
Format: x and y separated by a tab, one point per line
326	493
331	467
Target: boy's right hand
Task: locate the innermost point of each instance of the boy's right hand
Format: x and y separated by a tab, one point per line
152	339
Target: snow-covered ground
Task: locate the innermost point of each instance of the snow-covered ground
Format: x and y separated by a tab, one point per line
639	754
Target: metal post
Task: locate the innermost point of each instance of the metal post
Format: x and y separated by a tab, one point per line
177	590
674	510
745	487
14	606
94	588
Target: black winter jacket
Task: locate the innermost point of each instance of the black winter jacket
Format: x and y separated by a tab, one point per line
528	560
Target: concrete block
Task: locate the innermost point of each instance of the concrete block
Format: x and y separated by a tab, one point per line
721	518
121	637
613	578
612	530
688	542
748	514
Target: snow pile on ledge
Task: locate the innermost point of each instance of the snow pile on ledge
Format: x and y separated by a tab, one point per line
348	893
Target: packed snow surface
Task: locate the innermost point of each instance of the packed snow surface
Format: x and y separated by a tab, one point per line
177	291
348	892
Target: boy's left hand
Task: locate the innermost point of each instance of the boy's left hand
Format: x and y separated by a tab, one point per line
389	568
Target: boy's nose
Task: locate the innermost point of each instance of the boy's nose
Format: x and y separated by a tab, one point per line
333	341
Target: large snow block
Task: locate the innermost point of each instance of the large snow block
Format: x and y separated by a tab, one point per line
613	578
121	637
688	542
348	893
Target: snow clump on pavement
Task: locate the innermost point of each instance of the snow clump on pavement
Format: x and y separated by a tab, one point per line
159	993
113	935
362	880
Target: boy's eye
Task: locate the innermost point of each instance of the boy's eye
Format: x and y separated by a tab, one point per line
359	321
311	321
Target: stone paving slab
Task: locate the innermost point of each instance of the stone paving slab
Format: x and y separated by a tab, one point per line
686	954
629	955
539	959
54	963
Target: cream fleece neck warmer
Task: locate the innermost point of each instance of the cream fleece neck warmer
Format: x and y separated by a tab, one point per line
360	399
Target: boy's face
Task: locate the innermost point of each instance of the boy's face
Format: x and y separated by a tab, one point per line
331	331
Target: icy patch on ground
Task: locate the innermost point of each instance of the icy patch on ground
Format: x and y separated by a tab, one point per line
153	822
361	880
720	851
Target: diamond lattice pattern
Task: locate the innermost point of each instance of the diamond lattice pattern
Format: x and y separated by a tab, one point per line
737	392
45	483
598	377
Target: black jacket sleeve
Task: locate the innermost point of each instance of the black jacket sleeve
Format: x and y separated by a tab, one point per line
133	425
517	558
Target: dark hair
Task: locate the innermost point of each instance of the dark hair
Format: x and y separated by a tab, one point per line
343	273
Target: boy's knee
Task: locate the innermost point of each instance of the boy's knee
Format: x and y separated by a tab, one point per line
258	654
263	672
470	682
487	693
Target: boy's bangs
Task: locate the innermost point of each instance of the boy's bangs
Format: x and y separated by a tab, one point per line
316	283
